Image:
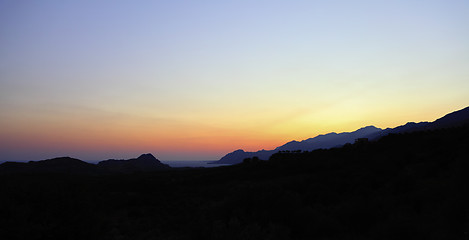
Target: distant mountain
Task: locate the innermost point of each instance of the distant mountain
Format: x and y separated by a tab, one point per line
454	119
238	156
330	140
55	165
144	163
322	141
407	128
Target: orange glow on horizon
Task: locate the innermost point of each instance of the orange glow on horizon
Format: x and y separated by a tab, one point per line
99	133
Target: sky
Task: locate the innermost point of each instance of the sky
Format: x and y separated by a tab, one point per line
195	80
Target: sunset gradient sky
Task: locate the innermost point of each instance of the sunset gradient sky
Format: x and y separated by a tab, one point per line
194	80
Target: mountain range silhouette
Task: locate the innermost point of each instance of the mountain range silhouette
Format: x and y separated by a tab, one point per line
331	140
144	163
147	162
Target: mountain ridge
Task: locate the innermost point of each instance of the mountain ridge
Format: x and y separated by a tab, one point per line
53	165
147	162
144	163
330	140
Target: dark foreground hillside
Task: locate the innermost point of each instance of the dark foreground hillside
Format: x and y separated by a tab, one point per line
407	186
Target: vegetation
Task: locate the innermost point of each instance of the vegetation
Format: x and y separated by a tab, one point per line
404	186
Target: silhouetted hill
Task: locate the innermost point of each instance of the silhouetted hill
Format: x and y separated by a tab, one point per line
144	163
322	141
329	140
55	165
238	156
408	127
454	119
